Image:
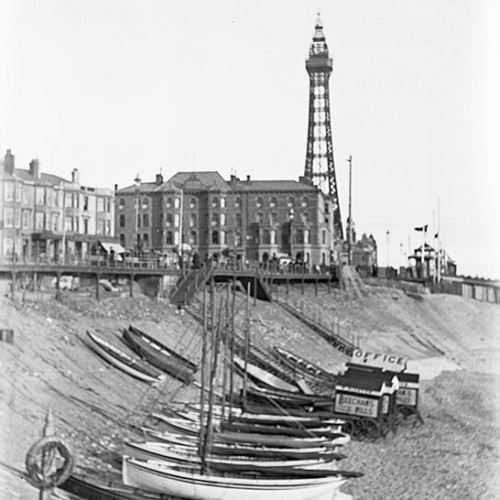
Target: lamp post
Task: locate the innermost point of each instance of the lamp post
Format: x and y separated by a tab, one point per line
291	216
137	181
63	242
388	235
349	226
181	229
181	226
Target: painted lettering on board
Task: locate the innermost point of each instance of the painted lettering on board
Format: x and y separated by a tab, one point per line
389	362
356	405
406	397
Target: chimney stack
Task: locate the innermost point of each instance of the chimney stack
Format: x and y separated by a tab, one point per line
35	168
75	176
9	162
159	178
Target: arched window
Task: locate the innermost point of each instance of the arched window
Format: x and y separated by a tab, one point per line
193	219
169	219
122	240
266	237
273	237
305	217
223	237
145	203
223	202
169	202
145	220
145	240
300	236
121	203
122	220
291	202
215	202
259	217
237	239
237	219
222	219
177	220
237	202
193	238
273	202
192	203
177	202
273	218
215	237
215	219
169	238
305	201
306	237
323	237
259	202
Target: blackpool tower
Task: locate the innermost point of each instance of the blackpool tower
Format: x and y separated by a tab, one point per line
319	167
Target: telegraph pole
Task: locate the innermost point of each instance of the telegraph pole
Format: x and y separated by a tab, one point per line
349	225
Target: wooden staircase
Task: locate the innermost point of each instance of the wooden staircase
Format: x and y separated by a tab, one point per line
185	290
353	284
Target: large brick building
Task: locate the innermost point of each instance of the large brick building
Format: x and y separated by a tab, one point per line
44	216
251	219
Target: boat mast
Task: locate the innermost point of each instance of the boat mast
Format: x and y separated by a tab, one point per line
203	367
225	334
216	335
247	342
231	364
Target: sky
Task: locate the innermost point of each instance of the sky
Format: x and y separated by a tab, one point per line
118	88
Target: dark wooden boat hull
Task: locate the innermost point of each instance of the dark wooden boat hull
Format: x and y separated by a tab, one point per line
292	423
319	431
160	359
174	354
93	489
134	367
297	411
302	365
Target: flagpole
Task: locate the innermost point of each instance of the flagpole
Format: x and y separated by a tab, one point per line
438	270
422	258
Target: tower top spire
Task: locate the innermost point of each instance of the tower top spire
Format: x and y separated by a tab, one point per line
318	35
318	48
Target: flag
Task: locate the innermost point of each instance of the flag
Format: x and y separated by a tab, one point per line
422	228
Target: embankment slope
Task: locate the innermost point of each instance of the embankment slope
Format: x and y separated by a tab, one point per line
95	407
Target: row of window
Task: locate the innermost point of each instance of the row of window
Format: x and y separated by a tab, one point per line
52	197
23	219
268	237
175	202
173	220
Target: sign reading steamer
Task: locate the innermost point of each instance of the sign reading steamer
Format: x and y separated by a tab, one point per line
388	362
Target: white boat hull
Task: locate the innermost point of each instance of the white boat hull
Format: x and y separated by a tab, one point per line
96	346
160	451
162	478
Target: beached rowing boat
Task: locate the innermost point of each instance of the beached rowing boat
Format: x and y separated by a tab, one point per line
133	366
156	354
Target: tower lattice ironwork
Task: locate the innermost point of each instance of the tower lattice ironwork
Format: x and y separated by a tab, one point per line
320	167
